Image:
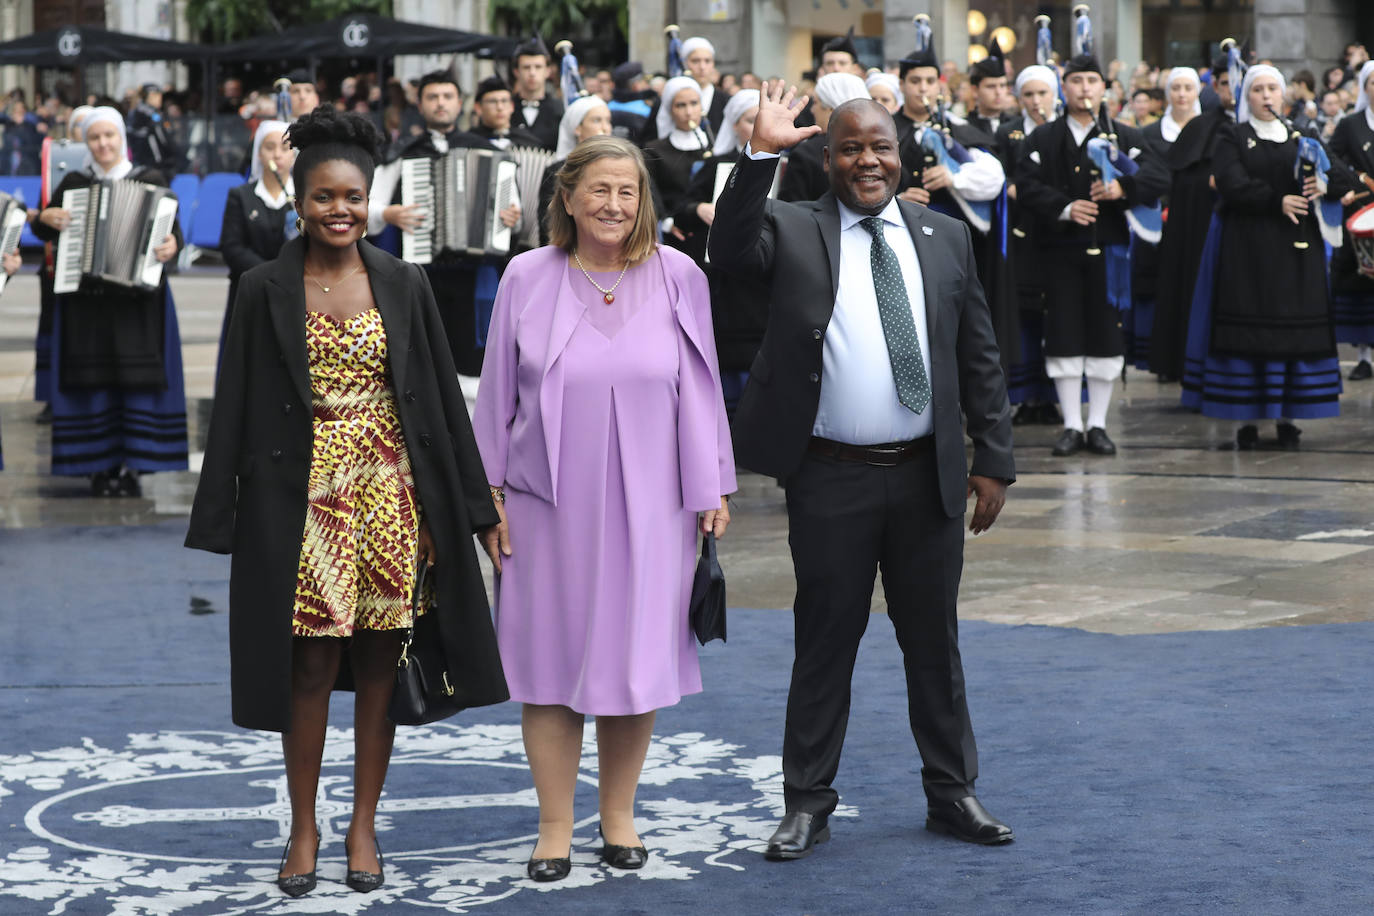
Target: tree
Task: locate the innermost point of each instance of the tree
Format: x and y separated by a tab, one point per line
220	21
555	19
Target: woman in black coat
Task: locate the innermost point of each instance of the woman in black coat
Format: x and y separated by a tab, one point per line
258	214
281	418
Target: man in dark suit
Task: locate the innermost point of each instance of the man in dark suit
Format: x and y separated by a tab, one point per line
536	110
878	339
493	115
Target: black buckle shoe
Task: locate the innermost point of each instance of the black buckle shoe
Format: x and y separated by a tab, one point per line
366	881
796	836
1099	443
1247	438
967	820
1288	436
1363	370
1070	442
297	885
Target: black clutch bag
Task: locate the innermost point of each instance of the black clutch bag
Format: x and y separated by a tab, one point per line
424	690
707	606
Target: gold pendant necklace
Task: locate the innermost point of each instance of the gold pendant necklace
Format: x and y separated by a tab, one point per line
326	289
608	295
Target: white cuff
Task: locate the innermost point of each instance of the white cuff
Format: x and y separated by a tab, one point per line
1064	214
749	151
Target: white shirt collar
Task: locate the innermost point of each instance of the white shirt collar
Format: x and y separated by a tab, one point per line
1081	132
1369	117
120	169
1273	130
275	201
439	139
687	140
890	214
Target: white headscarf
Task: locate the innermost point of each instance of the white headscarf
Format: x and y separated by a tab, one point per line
77	116
887	79
573	116
834	89
1039	72
664	121
694	44
265	128
1168	127
1243	100
1363	101
727	141
107	115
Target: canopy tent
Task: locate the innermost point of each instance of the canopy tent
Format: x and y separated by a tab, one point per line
365	35
78	45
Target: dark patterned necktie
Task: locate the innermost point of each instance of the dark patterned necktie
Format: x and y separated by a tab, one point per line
899	328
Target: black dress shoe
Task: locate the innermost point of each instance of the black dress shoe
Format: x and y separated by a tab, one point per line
1025	413
969	821
1099	443
1070	442
296	885
548	869
630	857
1361	371
796	836
365	881
1247	438
1288	436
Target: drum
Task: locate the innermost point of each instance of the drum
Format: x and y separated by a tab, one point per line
1361	229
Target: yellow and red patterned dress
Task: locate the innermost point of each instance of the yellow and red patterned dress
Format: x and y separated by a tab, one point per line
358	554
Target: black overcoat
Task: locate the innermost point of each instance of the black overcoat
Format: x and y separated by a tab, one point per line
251	500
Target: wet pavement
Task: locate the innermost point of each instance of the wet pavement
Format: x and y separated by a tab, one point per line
1174	533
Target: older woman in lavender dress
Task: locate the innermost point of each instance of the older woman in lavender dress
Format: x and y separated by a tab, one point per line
603	431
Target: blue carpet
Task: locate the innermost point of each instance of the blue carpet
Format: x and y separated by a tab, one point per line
1164	774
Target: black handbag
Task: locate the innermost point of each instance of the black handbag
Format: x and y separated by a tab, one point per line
424	691
707	606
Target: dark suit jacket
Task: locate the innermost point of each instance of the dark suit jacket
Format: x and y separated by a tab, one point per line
796	247
252	496
545	125
252	232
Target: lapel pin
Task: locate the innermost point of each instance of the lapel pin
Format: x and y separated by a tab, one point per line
927	230
1250	142
253	215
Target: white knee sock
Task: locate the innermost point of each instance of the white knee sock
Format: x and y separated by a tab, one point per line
1099	399
1071	401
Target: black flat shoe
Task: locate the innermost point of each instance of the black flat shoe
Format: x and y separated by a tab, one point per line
296	885
1099	443
629	857
1247	438
967	820
548	869
1070	442
796	836
1288	436
366	881
1363	370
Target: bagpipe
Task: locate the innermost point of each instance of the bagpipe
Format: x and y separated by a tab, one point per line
1312	161
1110	163
676	66
569	74
939	148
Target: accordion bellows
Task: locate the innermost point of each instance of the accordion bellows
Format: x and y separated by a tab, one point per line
115	227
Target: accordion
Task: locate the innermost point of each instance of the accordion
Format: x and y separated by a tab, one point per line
531	163
463	193
13	215
115	227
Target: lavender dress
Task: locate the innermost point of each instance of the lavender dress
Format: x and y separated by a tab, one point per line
591	609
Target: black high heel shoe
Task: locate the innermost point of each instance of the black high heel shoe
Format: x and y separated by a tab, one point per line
366	881
297	885
629	857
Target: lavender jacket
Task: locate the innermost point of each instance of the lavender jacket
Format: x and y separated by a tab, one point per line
519	413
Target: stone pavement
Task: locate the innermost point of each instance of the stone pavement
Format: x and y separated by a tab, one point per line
1174	533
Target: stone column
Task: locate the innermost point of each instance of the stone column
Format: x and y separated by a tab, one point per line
468	15
1298	34
948	20
647	43
9	29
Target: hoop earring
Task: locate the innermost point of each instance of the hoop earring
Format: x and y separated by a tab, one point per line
364	235
300	225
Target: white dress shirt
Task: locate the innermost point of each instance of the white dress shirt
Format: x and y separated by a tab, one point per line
858	395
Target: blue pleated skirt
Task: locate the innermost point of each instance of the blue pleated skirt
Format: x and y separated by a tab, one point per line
1234	388
1353	315
1026	378
102	429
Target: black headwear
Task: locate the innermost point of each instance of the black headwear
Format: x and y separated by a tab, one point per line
626	73
532	47
842	43
924	55
1083	63
991	66
490	84
300	75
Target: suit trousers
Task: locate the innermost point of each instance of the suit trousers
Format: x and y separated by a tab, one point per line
846	521
1079	321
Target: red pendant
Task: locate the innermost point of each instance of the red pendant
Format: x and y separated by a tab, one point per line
609	297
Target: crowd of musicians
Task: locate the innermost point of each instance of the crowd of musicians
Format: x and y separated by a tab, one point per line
1205	243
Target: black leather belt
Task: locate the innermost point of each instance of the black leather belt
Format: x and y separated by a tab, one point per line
887	455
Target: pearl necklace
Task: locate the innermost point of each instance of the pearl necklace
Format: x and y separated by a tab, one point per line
606	294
